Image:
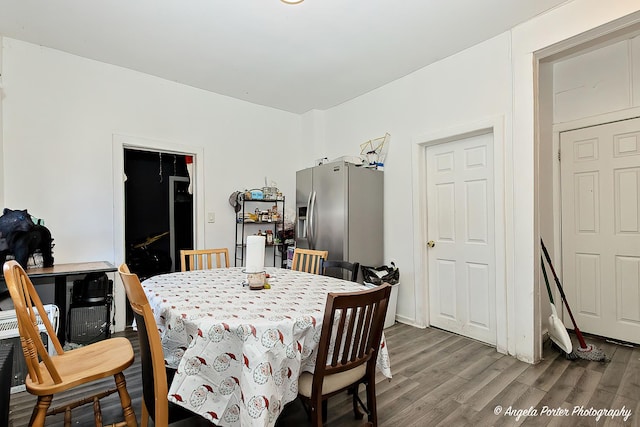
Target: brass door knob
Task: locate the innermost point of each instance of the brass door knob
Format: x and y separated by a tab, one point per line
431	243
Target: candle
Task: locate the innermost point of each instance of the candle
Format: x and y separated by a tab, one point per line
255	254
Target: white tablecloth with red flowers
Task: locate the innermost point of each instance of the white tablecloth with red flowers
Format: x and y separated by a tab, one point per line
239	352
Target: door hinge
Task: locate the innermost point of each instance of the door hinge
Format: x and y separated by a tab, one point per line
558	155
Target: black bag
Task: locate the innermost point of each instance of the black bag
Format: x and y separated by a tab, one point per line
95	288
380	275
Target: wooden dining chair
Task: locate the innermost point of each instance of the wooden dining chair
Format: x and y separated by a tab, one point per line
52	374
202	259
341	269
156	377
308	260
347	351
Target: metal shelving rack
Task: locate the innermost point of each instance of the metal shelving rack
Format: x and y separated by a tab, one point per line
245	228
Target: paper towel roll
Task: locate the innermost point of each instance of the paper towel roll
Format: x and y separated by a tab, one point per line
255	254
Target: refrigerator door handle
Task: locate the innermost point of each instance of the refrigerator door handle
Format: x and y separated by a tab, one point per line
306	222
311	220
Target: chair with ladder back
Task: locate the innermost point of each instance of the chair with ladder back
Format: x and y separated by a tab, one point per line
52	374
156	377
202	259
308	260
347	352
341	269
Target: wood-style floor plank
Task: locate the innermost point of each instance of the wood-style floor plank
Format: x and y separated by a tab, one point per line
477	384
630	382
442	379
558	390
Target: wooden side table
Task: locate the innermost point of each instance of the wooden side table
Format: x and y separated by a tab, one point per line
59	273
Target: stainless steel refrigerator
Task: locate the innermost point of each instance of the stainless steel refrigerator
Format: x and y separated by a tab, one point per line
339	208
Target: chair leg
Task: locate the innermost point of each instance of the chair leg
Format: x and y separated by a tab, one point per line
97	412
316	412
125	400
357	413
144	421
67	416
371	402
40	411
306	404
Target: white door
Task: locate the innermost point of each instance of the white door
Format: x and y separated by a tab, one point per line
600	180
460	228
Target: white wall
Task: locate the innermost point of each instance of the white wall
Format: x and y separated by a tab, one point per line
1	133
491	79
547	167
437	97
597	82
61	113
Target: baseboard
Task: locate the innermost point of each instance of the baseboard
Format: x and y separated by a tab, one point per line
408	321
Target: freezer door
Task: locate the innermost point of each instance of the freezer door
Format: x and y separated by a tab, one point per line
304	186
329	220
366	216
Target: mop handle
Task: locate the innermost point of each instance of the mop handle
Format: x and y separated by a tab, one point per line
546	280
583	344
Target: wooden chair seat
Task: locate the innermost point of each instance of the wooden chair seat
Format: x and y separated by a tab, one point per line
84	364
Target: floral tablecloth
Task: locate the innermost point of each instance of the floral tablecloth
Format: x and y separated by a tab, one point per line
239	352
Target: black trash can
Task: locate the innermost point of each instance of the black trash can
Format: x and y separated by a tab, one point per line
376	276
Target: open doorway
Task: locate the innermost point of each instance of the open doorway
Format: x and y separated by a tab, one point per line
158	210
122	143
587	177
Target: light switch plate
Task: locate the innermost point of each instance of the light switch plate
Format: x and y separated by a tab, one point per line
211	217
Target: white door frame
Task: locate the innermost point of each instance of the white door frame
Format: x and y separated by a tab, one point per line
504	310
120	143
172	220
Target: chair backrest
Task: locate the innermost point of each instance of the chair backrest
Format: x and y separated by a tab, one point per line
341	269
29	312
355	322
154	375
308	260
202	259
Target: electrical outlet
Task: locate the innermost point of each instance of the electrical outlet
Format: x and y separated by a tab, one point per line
211	217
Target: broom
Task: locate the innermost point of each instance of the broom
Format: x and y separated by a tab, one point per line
557	331
586	352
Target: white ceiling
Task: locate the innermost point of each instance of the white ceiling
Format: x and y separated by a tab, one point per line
313	55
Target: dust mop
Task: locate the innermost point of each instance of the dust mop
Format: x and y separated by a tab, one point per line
584	351
557	332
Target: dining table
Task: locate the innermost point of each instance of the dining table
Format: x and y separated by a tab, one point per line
239	351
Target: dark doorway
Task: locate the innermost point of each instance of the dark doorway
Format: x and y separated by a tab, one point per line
158	211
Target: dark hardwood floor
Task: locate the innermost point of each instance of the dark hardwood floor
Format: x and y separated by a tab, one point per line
444	379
